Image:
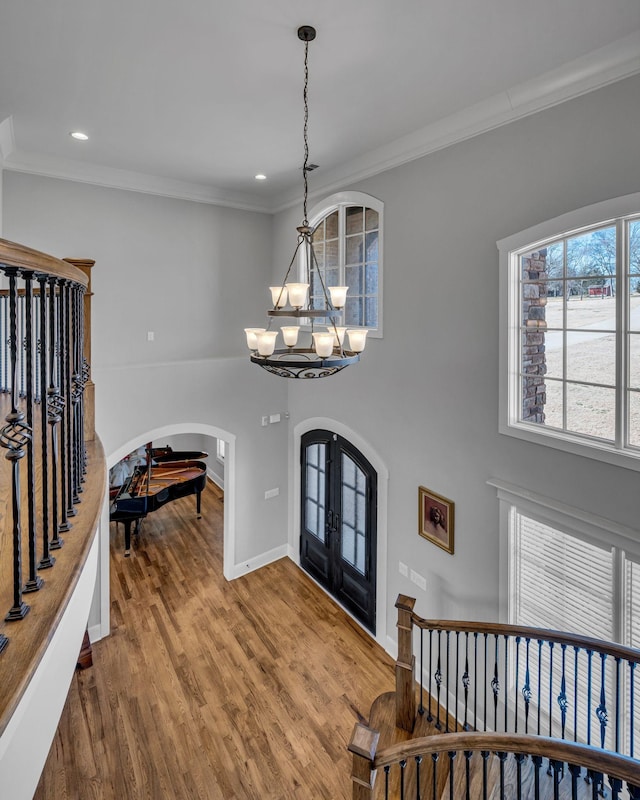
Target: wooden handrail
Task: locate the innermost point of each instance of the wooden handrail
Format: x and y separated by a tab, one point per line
534	634
623	767
17	255
367	762
488	674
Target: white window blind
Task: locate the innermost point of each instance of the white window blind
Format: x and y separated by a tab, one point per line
567	583
560	581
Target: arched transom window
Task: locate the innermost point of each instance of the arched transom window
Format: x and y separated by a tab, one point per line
347	241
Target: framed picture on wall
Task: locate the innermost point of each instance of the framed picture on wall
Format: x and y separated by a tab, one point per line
435	518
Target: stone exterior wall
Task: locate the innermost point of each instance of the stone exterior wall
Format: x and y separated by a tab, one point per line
534	302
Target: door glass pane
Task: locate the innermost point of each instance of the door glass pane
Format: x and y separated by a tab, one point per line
354	517
315	490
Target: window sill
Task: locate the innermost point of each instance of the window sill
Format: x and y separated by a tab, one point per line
600	451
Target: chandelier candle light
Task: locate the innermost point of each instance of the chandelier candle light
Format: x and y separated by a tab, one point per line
325	354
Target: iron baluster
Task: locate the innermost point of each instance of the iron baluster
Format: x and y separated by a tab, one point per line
616	787
386	781
37	299
506	677
526	689
475	681
457	673
519	757
486	637
438	678
430	715
485	757
34	581
65	525
14	437
575	693
55	406
557	767
502	757
418	760
22	340
632	667
465	681
467	774
434	775
47	559
495	684
446	720
452	757
617	733
589	689
539	681
562	697
518	640
421	704
550	688
403	765
601	710
574	771
5	343
537	764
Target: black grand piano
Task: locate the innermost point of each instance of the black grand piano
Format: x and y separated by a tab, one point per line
168	475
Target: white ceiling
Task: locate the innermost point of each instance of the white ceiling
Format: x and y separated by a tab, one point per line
193	98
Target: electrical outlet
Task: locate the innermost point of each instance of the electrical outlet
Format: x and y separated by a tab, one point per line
271	493
274	418
150	336
264	421
403	569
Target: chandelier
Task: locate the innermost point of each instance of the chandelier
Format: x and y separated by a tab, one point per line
325	351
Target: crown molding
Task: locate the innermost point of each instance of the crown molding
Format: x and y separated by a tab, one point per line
606	65
614	62
82	172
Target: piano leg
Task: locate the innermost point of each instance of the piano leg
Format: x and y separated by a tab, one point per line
127	537
198	504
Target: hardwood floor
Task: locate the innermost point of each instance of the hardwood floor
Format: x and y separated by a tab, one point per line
208	689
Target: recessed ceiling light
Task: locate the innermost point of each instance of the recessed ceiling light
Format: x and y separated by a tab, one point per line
261	177
79	135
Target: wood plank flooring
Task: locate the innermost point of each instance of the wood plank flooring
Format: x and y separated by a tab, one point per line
209	689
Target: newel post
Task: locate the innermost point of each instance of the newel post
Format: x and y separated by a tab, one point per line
405	665
85	264
363	745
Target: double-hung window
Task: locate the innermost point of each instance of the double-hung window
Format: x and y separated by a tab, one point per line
347	241
570	356
574	572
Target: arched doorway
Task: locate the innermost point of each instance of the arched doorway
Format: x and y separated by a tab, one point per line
100	610
338	532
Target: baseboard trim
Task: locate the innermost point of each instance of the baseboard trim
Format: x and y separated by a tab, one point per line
245	567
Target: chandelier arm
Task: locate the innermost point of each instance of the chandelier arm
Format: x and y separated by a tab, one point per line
291	263
327	299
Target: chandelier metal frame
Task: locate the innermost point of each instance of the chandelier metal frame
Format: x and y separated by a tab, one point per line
296	361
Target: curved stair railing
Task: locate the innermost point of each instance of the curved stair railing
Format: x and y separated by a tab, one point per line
53	475
473	765
510	689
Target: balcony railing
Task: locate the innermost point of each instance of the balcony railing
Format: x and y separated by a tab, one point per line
489	688
53	475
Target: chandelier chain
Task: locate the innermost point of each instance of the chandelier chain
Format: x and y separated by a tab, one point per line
305	166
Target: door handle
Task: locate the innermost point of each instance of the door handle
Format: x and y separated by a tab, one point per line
329	521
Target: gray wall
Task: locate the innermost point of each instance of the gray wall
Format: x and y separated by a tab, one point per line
426	396
195	275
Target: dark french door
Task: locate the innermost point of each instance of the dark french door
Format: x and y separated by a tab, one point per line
338	530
